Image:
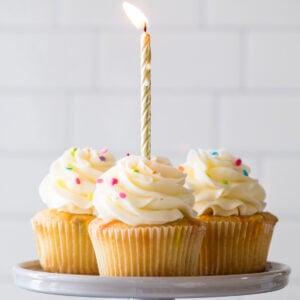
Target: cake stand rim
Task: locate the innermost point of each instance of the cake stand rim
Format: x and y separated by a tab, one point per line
29	275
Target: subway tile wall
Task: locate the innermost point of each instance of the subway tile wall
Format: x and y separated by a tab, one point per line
226	74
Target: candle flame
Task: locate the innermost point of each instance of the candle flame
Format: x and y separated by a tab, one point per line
136	16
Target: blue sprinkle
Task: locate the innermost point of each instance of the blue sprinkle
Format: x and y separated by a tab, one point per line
215	153
245	172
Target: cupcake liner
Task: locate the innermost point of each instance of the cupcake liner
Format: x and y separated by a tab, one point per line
234	245
63	243
166	250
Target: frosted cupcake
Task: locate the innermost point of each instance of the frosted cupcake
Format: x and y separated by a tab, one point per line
145	224
231	203
61	231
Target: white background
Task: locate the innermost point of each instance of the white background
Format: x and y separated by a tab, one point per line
226	74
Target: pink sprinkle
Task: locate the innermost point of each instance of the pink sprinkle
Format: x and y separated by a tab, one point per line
238	162
127	154
122	195
114	181
77	180
99	180
104	150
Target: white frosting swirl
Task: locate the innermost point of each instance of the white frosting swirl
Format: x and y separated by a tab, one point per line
141	191
72	179
222	185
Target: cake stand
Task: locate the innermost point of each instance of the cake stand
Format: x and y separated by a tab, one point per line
29	275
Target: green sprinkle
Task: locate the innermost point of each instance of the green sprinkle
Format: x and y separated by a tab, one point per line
69	167
224	181
136	170
73	150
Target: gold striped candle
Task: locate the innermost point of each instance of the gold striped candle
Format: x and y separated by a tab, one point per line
145	95
141	22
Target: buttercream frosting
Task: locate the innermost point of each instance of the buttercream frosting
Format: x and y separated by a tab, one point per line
222	185
141	191
70	184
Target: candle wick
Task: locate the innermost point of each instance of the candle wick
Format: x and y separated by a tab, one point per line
145	27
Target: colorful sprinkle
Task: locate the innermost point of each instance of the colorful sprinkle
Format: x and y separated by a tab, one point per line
60	183
102	158
181	168
73	150
215	153
245	172
104	150
238	162
224	181
69	167
77	180
90	196
99	180
114	181
122	195
127	154
136	170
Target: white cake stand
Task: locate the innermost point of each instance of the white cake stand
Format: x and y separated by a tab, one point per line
29	275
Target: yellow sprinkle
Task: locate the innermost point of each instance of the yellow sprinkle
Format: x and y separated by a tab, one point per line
60	183
90	196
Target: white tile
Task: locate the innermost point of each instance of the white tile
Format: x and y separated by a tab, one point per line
172	13
205	60
273	60
27	12
285	245
107	121
260	123
114	122
202	60
253	12
91	12
22	177
282	176
48	60
110	13
32	122
118	64
18	244
181	122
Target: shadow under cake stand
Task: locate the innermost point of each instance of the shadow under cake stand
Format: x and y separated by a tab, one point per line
30	276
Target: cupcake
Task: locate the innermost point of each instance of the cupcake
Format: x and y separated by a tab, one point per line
231	203
145	223
61	231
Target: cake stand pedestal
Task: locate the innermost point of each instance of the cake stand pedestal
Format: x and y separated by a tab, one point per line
29	275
